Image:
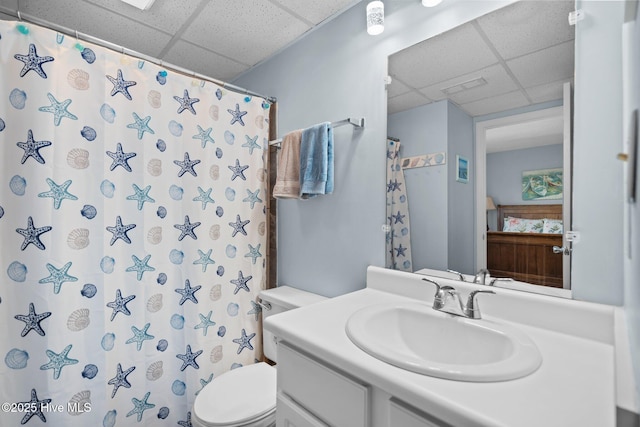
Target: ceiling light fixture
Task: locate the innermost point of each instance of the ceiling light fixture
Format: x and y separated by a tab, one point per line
375	17
431	3
140	4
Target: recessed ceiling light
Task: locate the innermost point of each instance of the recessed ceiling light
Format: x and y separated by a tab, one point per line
140	4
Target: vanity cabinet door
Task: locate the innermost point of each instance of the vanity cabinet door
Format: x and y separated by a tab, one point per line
400	414
289	414
329	395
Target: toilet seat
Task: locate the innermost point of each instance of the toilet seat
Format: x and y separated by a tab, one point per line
238	397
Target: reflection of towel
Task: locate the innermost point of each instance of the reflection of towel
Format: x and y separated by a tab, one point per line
288	175
316	161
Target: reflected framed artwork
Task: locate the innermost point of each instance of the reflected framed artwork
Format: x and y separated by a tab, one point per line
462	169
543	184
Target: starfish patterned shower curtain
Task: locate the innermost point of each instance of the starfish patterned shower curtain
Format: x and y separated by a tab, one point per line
132	220
398	235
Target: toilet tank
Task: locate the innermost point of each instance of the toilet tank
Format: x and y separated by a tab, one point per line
280	299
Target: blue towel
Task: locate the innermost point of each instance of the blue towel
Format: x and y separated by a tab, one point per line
316	161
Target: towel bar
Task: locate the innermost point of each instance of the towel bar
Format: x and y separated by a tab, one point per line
356	122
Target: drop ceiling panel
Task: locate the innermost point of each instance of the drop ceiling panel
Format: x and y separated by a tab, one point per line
498	82
532	40
495	104
203	61
541	127
522	144
221	38
93	20
448	55
316	11
528	26
245	30
397	88
548	65
405	102
164	15
546	92
12	4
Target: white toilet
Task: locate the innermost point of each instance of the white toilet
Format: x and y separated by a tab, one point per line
246	397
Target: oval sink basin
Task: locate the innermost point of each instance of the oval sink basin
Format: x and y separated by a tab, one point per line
415	337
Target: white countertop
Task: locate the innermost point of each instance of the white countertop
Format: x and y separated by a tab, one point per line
575	385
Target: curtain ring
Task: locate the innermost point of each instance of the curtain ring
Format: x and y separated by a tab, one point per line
19	16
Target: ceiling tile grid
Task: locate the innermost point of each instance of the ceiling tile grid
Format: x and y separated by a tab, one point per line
523	27
447	55
96	21
406	101
11	4
315	11
496	104
245	30
498	82
524	51
548	65
168	16
397	88
217	38
222	39
204	61
547	92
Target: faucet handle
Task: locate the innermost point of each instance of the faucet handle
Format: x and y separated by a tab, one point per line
439	298
482	273
446	290
442	295
460	275
500	279
441	291
472	310
435	283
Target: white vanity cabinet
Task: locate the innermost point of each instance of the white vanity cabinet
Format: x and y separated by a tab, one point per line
313	394
324	379
401	414
319	392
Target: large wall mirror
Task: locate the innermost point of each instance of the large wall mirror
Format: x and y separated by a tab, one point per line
479	153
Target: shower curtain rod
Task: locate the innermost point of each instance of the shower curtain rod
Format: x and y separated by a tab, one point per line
358	123
125	51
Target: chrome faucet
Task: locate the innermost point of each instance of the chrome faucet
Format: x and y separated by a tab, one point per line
460	275
481	276
443	294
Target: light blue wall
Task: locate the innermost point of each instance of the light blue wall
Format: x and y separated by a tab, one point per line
597	260
461	203
441	209
337	71
504	174
423	130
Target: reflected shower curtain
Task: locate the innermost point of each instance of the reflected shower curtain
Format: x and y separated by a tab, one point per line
133	231
398	236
